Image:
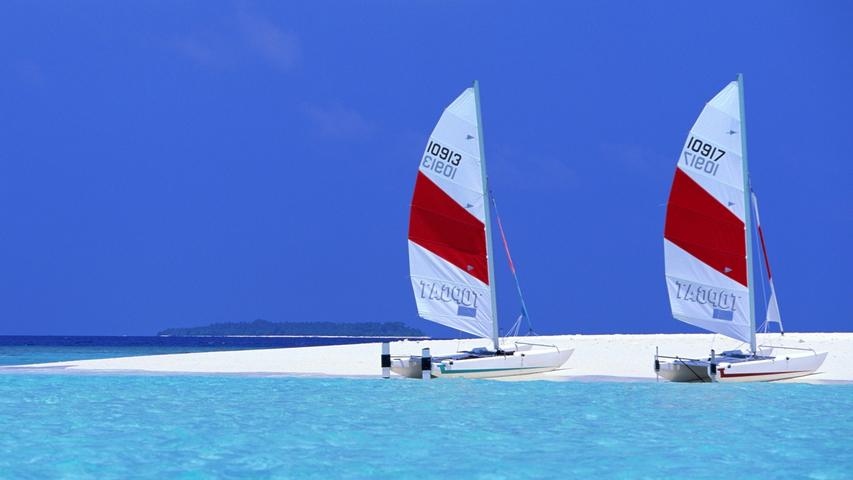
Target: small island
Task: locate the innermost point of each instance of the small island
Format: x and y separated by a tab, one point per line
327	329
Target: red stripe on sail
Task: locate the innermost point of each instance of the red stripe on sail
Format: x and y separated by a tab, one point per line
699	224
764	251
442	226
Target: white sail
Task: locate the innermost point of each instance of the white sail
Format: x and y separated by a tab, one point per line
773	315
704	237
448	258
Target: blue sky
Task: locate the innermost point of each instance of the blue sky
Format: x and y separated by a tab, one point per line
176	164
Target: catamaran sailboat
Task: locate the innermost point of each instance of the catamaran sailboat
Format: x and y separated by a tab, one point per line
708	253
450	253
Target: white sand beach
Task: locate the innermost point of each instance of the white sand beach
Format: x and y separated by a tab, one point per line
596	357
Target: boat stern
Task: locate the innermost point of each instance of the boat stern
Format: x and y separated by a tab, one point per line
409	367
682	370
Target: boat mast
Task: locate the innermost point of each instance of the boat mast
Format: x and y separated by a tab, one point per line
747	216
488	219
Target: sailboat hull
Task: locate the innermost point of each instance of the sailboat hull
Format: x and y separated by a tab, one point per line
765	368
684	371
518	363
780	367
521	363
409	367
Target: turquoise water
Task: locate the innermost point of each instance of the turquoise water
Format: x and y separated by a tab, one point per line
131	426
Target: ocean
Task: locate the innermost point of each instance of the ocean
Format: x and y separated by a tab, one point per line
101	426
24	350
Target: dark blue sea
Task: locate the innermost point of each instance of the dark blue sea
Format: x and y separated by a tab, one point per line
24	350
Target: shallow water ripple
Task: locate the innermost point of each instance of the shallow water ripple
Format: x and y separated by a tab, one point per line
125	426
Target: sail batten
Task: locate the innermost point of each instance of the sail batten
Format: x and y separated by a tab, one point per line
448	252
704	235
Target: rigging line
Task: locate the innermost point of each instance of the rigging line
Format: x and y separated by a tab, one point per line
764	325
763	284
691	370
512	265
764	279
513	330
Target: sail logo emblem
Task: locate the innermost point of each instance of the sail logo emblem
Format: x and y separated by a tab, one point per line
722	302
462	300
702	156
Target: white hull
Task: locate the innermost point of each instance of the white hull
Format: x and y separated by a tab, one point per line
521	363
518	363
769	368
780	367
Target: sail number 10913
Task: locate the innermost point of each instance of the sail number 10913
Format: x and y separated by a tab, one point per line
441	160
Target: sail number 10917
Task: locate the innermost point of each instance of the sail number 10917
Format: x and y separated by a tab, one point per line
705	149
702	156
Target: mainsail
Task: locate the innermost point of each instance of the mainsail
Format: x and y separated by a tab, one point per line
705	242
448	252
